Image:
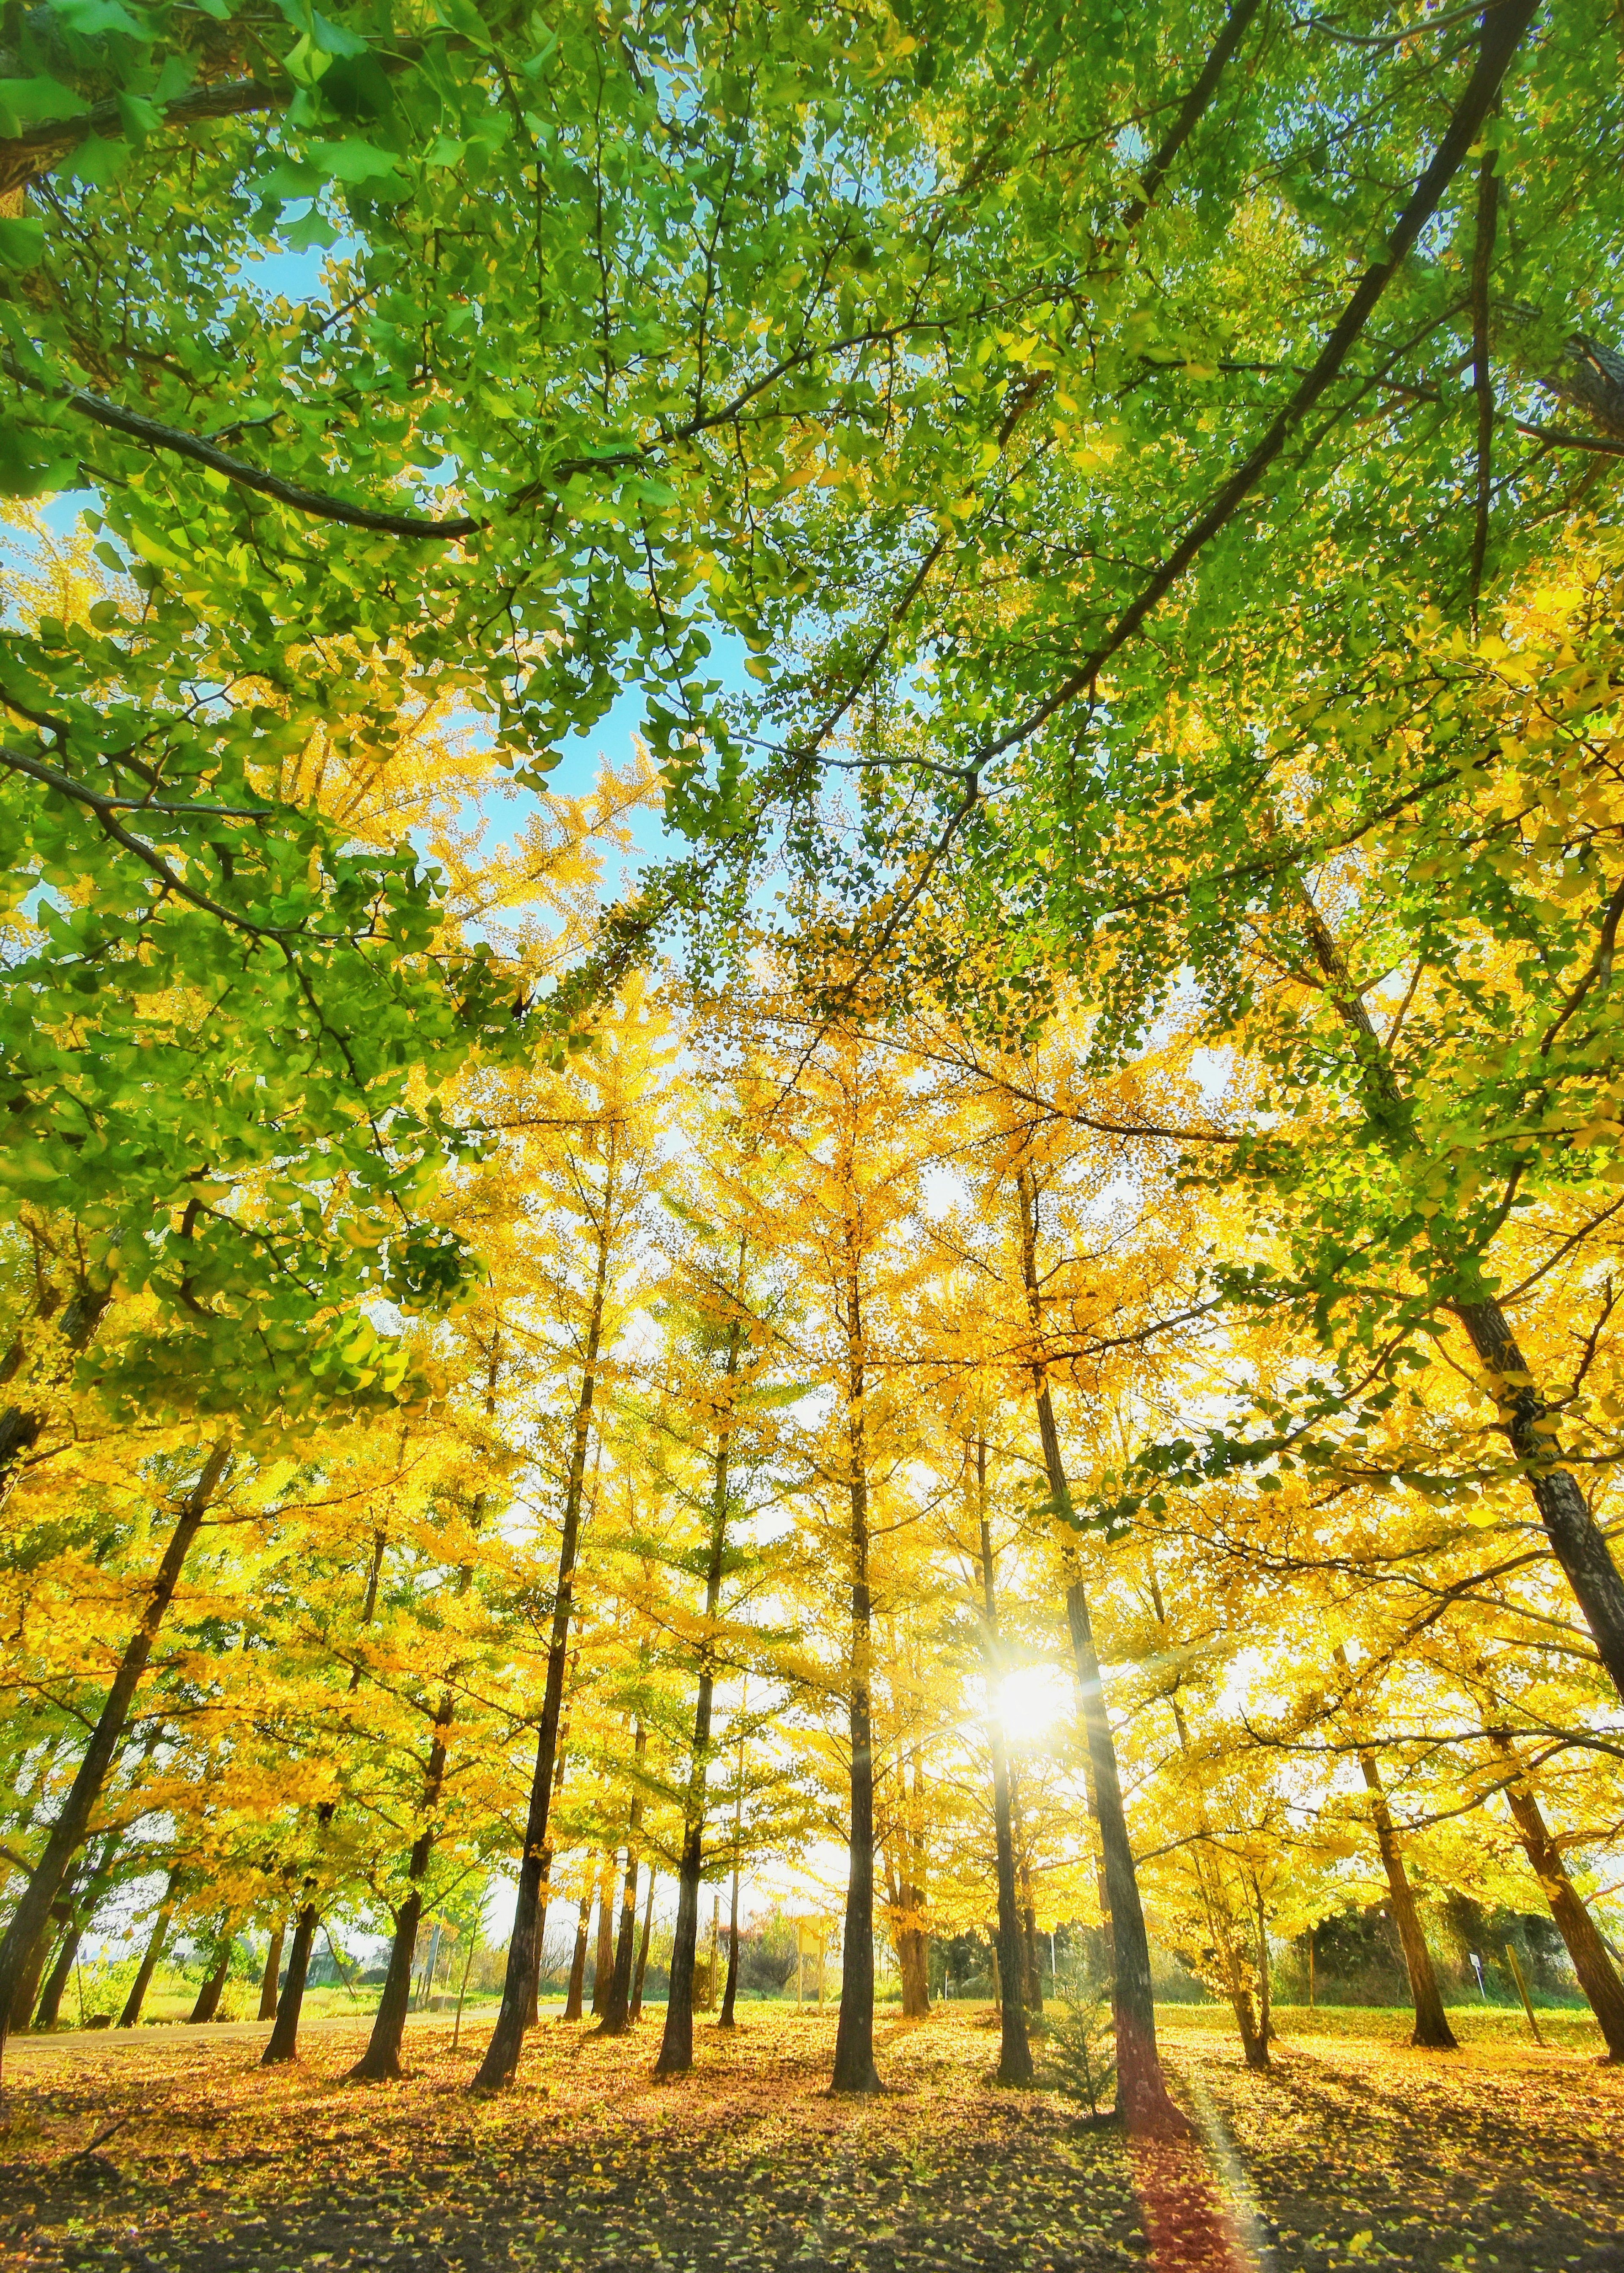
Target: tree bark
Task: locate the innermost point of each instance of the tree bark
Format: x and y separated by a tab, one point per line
1597	1977
381	2062
1014	2050
1254	2044
913	1943
732	1990
603	1959
32	1916
153	1951
1030	1970
577	1964
1142	2097
617	2010
272	1976
213	1986
50	2014
1431	2027
545	1897
642	1951
854	2069
284	2041
676	2052
1578	1540
518	2004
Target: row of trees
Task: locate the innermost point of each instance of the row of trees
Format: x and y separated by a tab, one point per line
765	1484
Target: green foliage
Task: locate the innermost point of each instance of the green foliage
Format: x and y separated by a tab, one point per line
1079	2056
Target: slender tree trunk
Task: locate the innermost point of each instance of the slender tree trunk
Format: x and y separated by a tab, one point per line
84	1906
642	1951
1577	1540
617	2005
1265	2002
21	1424
213	1987
913	1946
1431	2027
28	1986
1597	1977
518	2004
854	2069
50	2014
603	1961
617	2009
148	1966
284	2041
546	1894
381	2062
1031	1977
1254	2045
32	1916
1015	2051
676	2052
732	1990
1142	2097
272	1976
577	1964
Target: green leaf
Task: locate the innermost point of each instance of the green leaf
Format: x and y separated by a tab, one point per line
90	16
352	161
31	100
22	243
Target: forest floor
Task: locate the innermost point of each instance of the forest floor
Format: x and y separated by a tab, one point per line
1356	2152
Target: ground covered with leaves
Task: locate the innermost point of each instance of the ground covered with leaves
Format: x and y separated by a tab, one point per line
1353	2153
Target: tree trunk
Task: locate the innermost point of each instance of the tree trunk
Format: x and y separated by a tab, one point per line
913	1943
21	1424
545	1897
676	2052
617	2005
1142	2097
1597	1977
617	2010
271	1974
732	1990
1031	1972
381	2062
284	2042
642	1951
603	1958
148	1966
1254	2046
854	2069
50	2014
1577	1540
1431	2027
30	1919
1014	2050
213	1987
82	1910
28	1986
577	1963
518	2005
1266	2003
